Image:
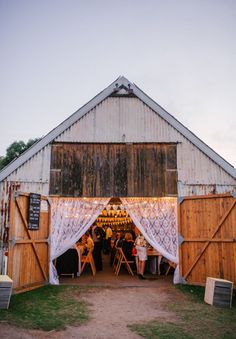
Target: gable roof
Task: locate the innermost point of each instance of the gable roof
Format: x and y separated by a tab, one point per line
119	86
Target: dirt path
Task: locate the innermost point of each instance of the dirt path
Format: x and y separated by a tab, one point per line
111	310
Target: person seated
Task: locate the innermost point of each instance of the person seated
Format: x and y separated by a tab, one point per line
127	246
117	236
85	244
79	246
118	241
89	244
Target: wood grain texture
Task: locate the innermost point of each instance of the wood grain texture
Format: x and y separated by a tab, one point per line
113	170
28	263
208	227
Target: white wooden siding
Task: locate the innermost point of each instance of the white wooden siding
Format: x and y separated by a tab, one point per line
36	169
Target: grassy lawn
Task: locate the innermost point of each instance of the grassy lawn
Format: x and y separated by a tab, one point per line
55	307
46	308
195	319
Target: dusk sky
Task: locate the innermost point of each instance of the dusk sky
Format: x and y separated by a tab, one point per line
56	55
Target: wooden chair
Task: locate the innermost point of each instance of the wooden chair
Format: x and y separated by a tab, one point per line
121	259
116	259
88	259
171	264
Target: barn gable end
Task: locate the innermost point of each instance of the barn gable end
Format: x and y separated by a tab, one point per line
122	113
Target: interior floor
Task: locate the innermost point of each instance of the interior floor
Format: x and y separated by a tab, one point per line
106	277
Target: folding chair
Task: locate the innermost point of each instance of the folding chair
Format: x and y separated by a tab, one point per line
88	259
116	259
122	260
171	264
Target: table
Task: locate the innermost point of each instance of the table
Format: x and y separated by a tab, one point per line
154	261
67	263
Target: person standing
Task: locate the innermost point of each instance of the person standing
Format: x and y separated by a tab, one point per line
107	243
133	231
97	236
127	246
141	247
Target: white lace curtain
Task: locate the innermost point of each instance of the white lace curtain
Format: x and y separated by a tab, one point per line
156	218
70	219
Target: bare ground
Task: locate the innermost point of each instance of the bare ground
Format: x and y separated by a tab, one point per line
111	310
114	302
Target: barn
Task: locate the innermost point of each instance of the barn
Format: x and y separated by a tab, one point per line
121	145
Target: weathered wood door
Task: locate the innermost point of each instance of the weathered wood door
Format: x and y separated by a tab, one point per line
113	170
208	227
28	258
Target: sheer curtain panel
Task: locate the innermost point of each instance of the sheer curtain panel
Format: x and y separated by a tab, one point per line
70	219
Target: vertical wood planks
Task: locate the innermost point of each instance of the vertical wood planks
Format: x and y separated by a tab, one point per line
28	249
113	170
207	224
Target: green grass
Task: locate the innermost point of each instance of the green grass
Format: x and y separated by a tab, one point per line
192	318
160	330
197	292
55	307
46	308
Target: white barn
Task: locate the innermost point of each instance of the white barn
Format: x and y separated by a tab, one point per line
124	118
122	114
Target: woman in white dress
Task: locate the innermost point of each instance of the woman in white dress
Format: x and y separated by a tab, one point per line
141	247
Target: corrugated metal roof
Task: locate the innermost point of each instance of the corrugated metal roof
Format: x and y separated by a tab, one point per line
119	87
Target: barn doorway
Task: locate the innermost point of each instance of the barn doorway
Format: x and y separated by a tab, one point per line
30	251
146	171
155	218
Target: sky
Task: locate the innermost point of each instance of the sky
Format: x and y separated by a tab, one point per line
57	55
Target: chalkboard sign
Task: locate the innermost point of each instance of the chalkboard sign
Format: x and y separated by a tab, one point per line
34	211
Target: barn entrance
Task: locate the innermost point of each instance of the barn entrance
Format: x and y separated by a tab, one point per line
146	171
205	225
155	218
82	171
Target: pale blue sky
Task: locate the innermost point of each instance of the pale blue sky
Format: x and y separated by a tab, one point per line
58	54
